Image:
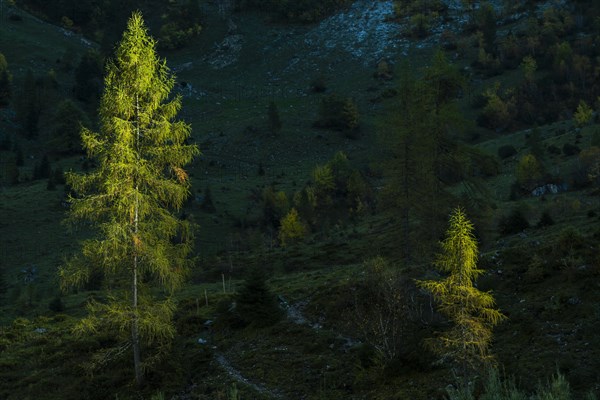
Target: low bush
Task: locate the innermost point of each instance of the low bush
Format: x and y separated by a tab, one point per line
570	149
545	220
514	222
338	113
506	151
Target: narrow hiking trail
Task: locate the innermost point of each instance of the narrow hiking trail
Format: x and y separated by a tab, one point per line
295	315
239	378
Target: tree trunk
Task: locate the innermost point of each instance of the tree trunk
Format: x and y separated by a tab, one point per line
135	335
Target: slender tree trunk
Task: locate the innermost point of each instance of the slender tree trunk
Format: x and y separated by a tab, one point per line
135	335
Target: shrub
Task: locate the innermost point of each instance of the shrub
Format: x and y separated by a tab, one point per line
291	229
545	220
323	178
570	149
529	172
420	25
42	170
514	222
497	112
583	115
590	162
569	240
340	169
66	128
484	164
506	151
529	66
174	36
338	113
552	149
56	305
382	310
383	70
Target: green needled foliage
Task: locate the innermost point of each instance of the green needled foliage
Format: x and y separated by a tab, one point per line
140	152
471	311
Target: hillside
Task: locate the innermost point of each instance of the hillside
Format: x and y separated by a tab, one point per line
516	148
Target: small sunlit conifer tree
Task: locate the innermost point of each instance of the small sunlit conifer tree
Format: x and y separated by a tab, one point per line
471	311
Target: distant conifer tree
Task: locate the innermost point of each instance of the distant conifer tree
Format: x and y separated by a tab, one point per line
256	305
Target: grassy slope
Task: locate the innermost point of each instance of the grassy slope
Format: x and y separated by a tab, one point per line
544	330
